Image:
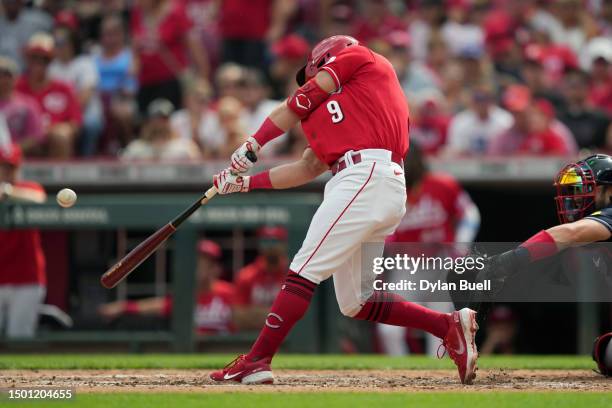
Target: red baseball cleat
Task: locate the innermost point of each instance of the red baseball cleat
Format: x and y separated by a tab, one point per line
459	342
244	371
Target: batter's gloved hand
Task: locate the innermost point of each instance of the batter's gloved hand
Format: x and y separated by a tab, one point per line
228	182
240	162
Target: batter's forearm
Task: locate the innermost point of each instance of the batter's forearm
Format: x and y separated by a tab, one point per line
290	175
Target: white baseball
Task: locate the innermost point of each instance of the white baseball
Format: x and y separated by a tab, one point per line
66	197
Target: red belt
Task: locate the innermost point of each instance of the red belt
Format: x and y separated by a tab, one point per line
340	165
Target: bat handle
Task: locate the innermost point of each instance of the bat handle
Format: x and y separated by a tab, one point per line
210	193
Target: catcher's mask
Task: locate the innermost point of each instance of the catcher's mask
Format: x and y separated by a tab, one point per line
576	188
321	54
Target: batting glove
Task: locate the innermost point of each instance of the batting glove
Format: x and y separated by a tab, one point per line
240	162
227	182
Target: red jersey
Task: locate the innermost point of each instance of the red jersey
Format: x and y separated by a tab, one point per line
22	261
161	47
245	19
56	99
547	142
368	110
432	211
258	286
213	311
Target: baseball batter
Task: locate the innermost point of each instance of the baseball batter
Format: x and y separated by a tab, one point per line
355	118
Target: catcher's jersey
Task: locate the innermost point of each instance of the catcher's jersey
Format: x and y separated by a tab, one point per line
368	110
603	216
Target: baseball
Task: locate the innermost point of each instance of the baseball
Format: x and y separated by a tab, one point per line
66	198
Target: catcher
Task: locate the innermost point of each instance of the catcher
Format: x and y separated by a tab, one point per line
584	207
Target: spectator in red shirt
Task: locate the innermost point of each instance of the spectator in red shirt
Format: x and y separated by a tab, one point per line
259	282
57	100
22	262
377	22
555	58
535	130
600	92
248	26
215	298
22	114
429	123
163	41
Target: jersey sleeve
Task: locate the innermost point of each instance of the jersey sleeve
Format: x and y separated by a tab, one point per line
604	217
347	62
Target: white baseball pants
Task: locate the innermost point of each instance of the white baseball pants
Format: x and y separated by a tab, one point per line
363	203
19	306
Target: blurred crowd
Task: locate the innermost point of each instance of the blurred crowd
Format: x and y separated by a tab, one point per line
191	79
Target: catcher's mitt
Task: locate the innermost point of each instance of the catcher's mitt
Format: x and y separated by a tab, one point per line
599	354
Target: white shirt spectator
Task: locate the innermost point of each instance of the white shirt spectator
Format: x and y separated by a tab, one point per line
210	133
172	150
461	36
469	134
81	73
15	34
253	119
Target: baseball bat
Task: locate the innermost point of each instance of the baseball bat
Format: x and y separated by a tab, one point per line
138	255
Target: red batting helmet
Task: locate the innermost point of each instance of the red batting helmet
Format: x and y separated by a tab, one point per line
321	54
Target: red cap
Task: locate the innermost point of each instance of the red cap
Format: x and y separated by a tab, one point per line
11	154
517	98
292	46
545	107
272	233
210	248
68	19
40	44
398	39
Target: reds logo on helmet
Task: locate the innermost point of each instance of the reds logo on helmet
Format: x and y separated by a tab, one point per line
322	53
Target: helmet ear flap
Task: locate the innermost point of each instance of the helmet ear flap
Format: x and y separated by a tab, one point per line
300	76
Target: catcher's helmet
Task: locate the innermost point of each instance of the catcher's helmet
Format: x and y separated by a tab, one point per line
576	186
321	54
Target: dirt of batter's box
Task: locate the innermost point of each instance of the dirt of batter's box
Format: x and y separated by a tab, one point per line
111	381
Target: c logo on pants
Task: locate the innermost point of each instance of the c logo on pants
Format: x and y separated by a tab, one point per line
271	325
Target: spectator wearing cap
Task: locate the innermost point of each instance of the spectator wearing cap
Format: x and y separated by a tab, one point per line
158	141
163	41
248	27
377	21
215	298
21	112
17	25
115	64
289	53
591	127
79	70
534	130
534	76
429	122
22	262
254	95
258	283
554	58
414	76
600	92
460	31
425	22
338	18
477	68
57	100
471	130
